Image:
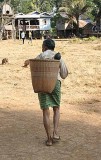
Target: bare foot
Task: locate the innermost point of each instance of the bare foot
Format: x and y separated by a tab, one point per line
49	143
56	137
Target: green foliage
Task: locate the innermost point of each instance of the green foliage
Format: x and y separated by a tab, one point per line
42	5
26	6
23	6
54	20
97	2
57	4
53	24
95	7
53	32
75	7
92	38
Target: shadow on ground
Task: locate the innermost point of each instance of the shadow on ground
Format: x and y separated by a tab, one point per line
22	136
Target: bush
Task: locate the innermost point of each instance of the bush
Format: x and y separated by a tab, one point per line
93	38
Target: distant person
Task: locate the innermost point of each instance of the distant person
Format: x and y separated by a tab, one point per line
30	36
23	36
46	35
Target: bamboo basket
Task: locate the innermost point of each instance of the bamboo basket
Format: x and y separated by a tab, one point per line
44	74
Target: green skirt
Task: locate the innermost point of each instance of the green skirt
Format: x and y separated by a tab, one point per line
51	99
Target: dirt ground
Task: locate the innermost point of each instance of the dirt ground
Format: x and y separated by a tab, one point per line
22	135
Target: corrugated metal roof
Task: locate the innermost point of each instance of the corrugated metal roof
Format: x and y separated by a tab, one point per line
34	14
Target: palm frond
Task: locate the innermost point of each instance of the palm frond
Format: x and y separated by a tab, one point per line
84	9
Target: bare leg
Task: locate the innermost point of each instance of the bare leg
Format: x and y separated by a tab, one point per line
46	122
23	40
56	118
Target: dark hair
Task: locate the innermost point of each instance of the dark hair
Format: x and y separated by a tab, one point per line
49	43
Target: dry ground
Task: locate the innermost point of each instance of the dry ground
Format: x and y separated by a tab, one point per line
22	134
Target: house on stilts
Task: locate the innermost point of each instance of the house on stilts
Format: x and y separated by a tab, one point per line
36	22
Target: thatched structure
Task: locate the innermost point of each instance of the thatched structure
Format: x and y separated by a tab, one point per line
7	17
67	28
6	10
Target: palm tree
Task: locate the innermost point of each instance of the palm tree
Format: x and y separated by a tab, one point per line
97	14
74	8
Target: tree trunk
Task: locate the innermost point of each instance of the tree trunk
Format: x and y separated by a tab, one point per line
77	29
98	20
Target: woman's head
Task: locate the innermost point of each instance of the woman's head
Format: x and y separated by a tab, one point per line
48	44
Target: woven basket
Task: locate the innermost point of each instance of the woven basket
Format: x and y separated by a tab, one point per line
44	74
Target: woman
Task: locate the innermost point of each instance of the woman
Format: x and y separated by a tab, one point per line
52	99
